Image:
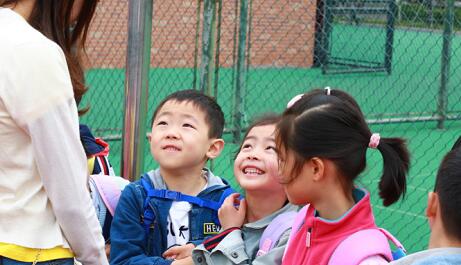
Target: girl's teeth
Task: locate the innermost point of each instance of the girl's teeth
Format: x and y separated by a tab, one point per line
252	171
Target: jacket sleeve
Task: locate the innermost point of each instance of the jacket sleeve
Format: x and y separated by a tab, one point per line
128	237
231	250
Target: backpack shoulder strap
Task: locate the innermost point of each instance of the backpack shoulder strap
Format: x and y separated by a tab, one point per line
148	217
372	242
151	192
400	252
178	196
109	190
297	223
228	191
274	231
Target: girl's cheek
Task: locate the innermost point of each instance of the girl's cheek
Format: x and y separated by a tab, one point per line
274	170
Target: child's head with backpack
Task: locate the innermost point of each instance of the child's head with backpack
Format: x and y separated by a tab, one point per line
254	229
322	142
323	139
443	204
187	127
173	208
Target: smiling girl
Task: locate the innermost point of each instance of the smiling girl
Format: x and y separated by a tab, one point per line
256	170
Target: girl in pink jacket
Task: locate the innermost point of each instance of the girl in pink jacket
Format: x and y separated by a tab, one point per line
322	142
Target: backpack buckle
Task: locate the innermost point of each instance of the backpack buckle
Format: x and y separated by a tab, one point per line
172	195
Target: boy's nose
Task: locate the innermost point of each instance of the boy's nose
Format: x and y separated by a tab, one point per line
172	134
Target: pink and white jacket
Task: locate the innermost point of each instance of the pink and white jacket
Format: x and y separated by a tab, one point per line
317	239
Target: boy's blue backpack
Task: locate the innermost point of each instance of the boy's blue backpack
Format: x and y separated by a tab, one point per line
346	251
149	216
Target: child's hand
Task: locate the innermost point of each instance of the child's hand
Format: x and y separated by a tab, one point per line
185	261
108	250
179	252
231	215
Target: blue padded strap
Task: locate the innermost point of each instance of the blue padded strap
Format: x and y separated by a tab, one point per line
151	192
148	215
228	191
178	196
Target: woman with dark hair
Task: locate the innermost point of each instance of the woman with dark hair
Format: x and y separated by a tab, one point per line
46	214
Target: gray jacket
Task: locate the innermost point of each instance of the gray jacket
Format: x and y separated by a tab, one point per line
432	256
240	246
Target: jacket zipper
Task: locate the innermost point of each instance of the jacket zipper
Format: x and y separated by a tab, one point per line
308	237
308	245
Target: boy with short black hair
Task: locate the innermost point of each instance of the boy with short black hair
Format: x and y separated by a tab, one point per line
161	217
443	212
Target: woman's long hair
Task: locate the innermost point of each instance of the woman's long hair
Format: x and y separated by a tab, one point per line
52	19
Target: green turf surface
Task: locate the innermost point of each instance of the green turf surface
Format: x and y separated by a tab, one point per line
411	88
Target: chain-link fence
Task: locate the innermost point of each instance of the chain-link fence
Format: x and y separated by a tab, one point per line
399	59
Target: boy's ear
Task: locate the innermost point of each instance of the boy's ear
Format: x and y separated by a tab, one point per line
216	146
432	207
318	167
149	137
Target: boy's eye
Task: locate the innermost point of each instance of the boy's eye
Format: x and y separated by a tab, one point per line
188	125
161	123
246	146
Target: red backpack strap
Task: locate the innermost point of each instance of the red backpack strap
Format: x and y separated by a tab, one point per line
361	245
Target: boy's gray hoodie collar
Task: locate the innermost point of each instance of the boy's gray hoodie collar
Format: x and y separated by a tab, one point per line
159	183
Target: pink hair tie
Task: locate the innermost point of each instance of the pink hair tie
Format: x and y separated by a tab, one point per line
294	100
374	140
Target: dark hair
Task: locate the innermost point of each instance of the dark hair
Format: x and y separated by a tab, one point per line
333	127
214	116
52	19
261	120
448	189
457	144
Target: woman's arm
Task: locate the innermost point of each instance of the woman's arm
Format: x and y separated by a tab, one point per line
62	166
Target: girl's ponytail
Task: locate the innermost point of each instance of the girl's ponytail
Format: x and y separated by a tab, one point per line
396	161
329	124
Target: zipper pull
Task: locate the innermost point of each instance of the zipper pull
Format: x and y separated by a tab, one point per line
308	238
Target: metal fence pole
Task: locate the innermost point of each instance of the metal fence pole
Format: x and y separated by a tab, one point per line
445	71
326	34
218	48
197	33
241	71
208	36
390	36
136	87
